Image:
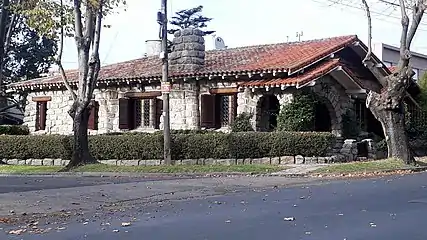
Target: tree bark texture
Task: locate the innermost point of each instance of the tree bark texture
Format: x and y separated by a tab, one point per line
81	154
387	107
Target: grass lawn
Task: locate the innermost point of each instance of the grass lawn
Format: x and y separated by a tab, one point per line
256	169
360	167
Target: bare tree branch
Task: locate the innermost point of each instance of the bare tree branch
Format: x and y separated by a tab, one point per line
418	12
78	27
59	58
368	15
95	62
404	52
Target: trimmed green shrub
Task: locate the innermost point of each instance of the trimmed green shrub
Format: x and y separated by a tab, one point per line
242	123
215	145
299	115
14	130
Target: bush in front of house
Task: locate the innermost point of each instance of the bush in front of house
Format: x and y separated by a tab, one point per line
14	130
214	145
242	123
298	115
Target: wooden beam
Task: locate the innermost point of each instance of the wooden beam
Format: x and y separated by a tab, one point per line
42	99
227	90
150	94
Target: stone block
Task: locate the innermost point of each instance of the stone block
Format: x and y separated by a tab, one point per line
287	160
299	159
109	162
247	161
240	161
152	162
129	163
57	162
189	162
256	161
265	161
310	160
48	162
321	160
12	161
65	162
176	162
275	161
226	162
21	162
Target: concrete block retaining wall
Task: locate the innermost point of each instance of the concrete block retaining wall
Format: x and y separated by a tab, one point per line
208	161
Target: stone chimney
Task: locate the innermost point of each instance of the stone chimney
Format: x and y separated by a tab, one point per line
188	51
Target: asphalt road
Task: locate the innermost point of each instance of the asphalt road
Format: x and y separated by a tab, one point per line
388	208
34	183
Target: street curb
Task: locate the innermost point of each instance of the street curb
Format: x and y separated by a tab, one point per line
114	174
411	169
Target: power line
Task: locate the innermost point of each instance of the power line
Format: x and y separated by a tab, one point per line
362	9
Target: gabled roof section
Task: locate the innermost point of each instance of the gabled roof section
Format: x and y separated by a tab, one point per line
281	57
299	79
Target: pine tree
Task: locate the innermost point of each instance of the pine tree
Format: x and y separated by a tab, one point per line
190	18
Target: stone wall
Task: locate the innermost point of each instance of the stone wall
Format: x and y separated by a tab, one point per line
250	102
336	100
184	106
59	122
284	160
188	51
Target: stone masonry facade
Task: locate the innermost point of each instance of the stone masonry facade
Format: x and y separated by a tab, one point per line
185	106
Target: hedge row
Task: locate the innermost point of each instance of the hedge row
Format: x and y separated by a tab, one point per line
184	146
14	130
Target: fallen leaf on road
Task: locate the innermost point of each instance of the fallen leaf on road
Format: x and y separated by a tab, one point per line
289	219
307	233
373	224
340	214
116	230
228	221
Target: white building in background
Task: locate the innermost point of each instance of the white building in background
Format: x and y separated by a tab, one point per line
390	56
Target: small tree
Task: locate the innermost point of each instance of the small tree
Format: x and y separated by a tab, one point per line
82	19
190	18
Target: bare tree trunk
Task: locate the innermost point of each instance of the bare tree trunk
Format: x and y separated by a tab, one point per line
387	106
81	153
393	123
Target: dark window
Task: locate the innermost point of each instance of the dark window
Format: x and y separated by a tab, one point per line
93	117
146	112
41	112
123	113
218	110
360	108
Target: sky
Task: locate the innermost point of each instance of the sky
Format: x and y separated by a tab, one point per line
250	22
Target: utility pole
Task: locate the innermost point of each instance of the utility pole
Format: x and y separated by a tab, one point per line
165	85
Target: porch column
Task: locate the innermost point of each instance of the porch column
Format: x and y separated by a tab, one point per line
152	112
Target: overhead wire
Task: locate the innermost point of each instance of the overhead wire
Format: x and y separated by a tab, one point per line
374	13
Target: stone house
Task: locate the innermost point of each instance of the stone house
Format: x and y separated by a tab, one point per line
211	87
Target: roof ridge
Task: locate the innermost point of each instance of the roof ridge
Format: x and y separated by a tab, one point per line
285	43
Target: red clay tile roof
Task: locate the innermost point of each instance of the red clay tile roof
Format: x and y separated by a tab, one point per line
273	57
297	79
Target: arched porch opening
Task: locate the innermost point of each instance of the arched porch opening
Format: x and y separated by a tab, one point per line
268	108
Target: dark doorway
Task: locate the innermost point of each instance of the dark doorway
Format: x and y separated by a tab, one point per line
270	107
322	118
159	112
